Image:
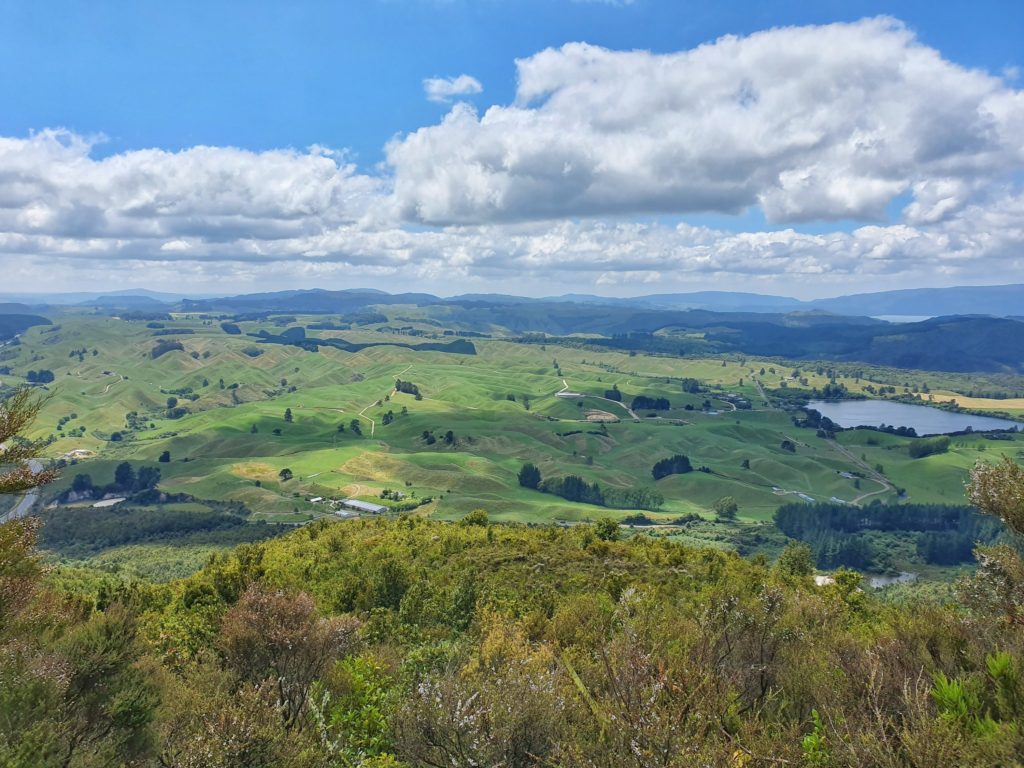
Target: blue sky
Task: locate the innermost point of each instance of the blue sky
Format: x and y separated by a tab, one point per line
263	75
349	76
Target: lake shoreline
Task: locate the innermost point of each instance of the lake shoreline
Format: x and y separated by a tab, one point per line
923	419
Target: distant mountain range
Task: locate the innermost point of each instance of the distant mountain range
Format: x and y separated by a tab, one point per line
971	328
315	300
135	297
723	323
717	301
994	300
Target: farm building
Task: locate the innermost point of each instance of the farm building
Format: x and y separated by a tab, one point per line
363	506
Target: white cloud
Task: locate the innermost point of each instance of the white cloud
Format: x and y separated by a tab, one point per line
641	276
539	195
176	246
443	89
580	253
50	184
830	122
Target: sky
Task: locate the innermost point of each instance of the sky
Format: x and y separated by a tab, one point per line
537	147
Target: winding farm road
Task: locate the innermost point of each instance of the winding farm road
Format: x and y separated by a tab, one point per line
619	403
107	388
764	397
373	424
873	475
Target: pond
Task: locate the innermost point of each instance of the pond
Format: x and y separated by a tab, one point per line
880	582
924	420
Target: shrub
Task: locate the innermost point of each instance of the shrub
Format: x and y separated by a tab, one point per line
606	529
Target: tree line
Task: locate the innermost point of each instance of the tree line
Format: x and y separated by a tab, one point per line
126	481
674	465
840	534
644	403
576	488
408	388
77	532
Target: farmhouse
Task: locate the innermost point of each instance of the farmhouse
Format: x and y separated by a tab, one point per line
363	506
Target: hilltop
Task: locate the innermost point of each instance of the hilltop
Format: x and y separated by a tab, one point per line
413	643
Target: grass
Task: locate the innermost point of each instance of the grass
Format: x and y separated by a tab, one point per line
215	454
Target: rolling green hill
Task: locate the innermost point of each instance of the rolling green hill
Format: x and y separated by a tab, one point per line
220	613
226	437
710	323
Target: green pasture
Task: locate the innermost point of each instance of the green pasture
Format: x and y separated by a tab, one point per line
501	406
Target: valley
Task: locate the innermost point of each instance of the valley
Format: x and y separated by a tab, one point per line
283	429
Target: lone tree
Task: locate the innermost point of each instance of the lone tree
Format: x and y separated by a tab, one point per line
476	517
726	508
124	476
796	559
529	476
288	415
998	490
276	633
165	457
18	469
607	529
355	428
285	474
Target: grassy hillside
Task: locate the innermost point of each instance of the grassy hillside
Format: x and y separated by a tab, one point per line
227	439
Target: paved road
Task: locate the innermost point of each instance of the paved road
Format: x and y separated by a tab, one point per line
26	503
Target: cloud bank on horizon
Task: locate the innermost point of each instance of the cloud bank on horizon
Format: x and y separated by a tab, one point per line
586	179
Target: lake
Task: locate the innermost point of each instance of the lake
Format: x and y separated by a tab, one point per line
924	420
903	318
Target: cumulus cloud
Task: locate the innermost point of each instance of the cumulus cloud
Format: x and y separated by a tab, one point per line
584	252
830	122
807	123
444	89
51	184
